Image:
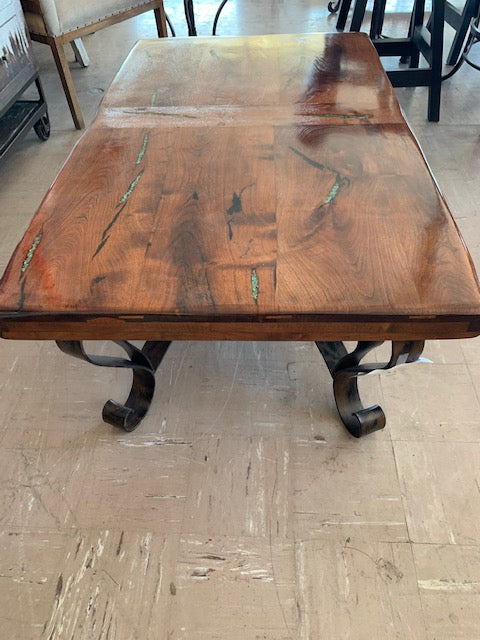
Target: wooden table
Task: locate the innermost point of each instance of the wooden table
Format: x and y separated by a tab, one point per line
252	188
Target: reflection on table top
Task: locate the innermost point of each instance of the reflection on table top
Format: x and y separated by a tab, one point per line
256	179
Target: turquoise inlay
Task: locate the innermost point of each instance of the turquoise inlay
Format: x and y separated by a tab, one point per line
333	193
30	253
143	149
255	285
122	205
130	189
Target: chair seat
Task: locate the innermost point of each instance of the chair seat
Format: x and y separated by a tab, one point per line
63	16
58	22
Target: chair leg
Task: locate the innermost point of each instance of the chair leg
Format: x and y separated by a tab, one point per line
67	83
81	55
343	14
470	11
161	21
378	15
434	90
416	21
359	9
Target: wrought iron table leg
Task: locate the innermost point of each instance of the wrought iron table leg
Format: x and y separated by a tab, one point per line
143	363
345	368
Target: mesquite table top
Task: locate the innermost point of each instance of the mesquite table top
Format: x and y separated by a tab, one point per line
244	188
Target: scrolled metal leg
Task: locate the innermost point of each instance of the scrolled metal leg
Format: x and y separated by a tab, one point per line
345	368
143	363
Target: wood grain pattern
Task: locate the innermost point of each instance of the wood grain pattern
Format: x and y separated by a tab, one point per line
253	187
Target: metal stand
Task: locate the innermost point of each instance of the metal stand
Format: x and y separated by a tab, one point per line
21	115
345	368
143	363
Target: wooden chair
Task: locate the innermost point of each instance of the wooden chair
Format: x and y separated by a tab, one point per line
57	22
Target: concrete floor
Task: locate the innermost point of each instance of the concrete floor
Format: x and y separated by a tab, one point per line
241	509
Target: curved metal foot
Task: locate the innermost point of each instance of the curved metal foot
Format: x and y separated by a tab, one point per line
345	368
333	7
143	363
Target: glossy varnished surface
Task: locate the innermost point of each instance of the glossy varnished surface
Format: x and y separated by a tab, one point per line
231	181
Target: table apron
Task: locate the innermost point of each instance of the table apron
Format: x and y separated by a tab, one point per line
42	328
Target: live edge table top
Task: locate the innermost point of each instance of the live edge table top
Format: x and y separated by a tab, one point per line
244	188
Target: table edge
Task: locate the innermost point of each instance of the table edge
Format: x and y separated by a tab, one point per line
285	328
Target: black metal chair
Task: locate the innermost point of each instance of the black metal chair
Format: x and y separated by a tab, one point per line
460	20
190	17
